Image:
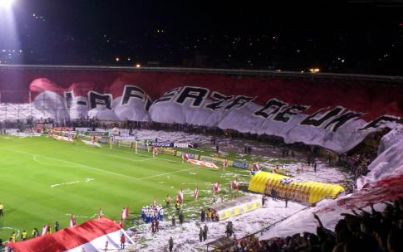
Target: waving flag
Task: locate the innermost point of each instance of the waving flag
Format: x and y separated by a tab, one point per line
100	213
185	156
72	220
45	230
125	213
216	188
196	193
235	185
181	196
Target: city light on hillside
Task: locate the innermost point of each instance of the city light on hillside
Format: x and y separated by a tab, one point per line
314	70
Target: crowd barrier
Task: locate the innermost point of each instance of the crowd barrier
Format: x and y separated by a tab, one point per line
236	207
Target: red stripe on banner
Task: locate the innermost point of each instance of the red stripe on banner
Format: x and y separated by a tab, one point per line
67	238
373	98
388	189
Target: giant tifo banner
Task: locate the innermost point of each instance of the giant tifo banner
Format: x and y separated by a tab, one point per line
333	113
92	236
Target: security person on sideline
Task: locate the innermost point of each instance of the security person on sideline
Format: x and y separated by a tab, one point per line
24	235
35	233
171	244
1	209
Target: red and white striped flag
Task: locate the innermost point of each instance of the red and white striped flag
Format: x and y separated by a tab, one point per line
234	185
196	193
125	213
185	156
216	188
72	220
181	196
45	230
100	213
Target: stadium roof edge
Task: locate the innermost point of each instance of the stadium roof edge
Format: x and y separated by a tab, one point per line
242	72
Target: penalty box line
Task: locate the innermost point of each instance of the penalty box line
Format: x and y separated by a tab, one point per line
166	173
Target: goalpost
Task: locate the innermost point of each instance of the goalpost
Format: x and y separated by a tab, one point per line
124	144
127	144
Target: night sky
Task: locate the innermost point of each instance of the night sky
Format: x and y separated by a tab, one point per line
129	18
167	32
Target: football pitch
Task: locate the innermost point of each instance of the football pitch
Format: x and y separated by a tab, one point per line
43	180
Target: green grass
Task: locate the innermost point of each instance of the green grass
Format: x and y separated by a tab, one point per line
118	178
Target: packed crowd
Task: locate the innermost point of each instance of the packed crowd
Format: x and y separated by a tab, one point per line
358	159
360	231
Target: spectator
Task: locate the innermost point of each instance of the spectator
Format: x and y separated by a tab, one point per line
273	194
35	233
367	231
168	201
57	226
201	234
229	229
170	244
205	230
122	241
263	200
1	209
202	215
173	221
181	217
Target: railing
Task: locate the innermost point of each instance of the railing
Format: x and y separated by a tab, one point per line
239	72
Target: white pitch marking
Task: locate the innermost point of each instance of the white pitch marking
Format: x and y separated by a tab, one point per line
35	158
86	180
83	216
101	170
77	164
123	158
162	174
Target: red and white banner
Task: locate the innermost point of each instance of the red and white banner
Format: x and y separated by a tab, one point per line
203	163
91	236
336	114
62	138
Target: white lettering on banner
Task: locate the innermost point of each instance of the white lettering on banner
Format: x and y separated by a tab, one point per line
196	94
181	145
219	99
335	127
132	92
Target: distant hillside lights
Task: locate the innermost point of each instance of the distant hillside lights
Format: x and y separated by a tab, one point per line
314	70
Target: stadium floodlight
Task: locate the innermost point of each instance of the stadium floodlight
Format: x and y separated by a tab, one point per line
8	26
6	4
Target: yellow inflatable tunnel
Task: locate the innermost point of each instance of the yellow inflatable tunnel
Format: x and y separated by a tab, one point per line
303	191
